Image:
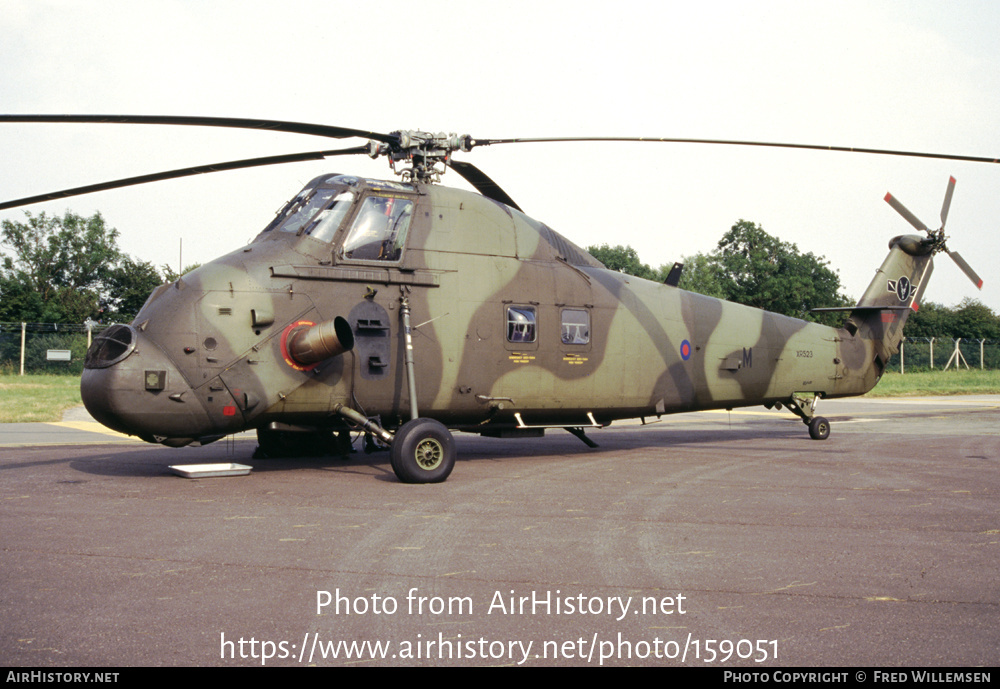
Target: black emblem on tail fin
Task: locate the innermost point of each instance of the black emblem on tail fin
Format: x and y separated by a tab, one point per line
902	287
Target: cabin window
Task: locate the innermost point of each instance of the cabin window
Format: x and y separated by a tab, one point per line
521	324
379	230
575	326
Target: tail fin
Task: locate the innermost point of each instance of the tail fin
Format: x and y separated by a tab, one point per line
896	291
899	284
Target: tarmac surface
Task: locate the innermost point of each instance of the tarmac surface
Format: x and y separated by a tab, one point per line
720	539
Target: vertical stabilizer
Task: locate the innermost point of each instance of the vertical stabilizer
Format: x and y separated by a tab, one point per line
896	291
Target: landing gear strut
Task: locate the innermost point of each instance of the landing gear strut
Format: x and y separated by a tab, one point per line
422	450
819	427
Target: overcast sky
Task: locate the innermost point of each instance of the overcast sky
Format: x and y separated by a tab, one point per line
909	75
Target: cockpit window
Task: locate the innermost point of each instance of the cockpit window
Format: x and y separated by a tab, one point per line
379	229
306	209
318	209
324	224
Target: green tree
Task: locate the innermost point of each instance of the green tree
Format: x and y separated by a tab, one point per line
624	259
67	269
970	319
930	320
129	284
63	260
19	302
751	267
973	319
171	275
702	275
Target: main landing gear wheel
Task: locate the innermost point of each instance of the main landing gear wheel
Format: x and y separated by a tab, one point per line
819	428
423	451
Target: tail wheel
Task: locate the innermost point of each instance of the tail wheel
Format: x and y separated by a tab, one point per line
423	451
819	428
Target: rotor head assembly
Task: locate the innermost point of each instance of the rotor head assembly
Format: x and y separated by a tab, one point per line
425	156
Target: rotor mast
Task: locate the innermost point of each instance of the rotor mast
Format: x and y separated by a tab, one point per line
424	156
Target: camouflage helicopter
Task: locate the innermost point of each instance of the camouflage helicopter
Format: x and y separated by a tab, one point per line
407	309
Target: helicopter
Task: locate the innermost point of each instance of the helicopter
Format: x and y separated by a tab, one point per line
407	310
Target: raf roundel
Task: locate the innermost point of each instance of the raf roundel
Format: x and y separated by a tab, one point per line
685	350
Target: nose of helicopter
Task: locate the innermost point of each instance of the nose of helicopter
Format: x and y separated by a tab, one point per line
130	385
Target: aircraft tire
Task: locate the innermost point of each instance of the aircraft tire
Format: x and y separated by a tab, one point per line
423	451
819	428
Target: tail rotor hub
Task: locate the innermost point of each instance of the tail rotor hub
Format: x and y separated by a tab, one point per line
936	238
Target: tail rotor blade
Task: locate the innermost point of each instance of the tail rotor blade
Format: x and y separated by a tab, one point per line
966	268
901	209
947	201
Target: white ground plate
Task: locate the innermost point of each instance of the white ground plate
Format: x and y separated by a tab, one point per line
209	470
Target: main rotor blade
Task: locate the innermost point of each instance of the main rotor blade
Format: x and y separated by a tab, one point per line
901	209
728	142
185	172
947	201
966	268
228	122
482	183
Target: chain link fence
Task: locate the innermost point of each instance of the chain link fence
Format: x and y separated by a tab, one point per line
945	353
44	347
61	347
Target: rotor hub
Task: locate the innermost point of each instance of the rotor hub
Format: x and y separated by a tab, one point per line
423	156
